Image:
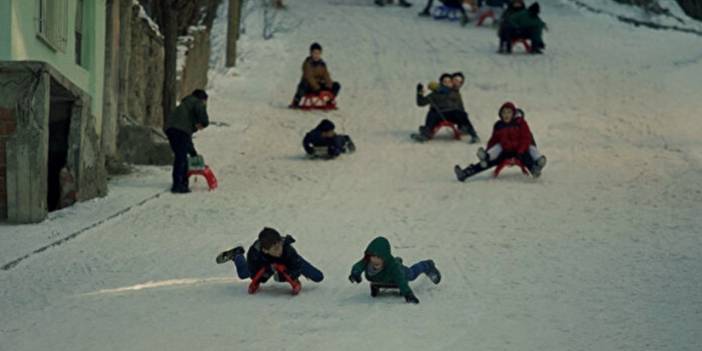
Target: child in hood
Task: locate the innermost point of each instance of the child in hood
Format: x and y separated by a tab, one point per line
381	267
523	24
511	137
271	255
322	141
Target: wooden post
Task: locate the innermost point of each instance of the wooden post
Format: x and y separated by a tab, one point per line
233	31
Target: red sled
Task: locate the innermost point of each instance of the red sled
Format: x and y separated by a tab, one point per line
509	162
524	41
207	173
447	124
282	271
487	14
323	101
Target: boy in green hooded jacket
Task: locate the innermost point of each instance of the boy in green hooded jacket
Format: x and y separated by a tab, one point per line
381	268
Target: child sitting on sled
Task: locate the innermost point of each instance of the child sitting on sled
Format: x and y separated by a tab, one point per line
385	271
315	77
271	255
511	138
323	142
445	104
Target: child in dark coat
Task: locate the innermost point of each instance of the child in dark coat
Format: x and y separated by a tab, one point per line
522	24
445	104
322	141
271	255
381	268
511	138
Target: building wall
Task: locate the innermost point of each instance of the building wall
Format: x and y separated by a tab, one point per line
24	45
4	29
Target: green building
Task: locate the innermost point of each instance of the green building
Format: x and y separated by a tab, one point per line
52	56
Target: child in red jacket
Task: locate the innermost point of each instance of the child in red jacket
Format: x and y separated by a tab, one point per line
511	138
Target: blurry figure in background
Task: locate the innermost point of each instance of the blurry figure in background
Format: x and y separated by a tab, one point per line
455	4
402	3
522	24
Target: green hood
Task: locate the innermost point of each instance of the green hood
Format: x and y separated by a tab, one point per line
393	272
380	247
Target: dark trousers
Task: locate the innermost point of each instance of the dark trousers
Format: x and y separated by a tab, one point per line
416	269
182	145
305	88
457	117
307	270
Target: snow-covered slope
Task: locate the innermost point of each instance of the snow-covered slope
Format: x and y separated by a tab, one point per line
601	253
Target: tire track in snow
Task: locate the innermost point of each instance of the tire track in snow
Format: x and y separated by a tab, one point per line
15	262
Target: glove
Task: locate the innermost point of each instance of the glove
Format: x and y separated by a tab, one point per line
410	298
355	278
420	88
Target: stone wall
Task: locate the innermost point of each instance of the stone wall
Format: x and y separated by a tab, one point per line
7	128
193	74
146	72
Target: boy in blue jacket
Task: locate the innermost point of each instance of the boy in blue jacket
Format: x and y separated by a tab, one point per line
271	255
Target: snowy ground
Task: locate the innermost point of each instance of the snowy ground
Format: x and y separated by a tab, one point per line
601	253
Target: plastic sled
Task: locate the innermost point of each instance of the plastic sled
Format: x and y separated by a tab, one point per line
323	101
443	12
377	287
281	275
205	172
447	124
509	162
524	41
485	15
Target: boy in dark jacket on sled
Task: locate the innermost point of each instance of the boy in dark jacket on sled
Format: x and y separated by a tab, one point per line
385	271
323	142
511	138
271	255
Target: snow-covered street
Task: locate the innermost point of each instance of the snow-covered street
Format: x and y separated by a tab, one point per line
603	252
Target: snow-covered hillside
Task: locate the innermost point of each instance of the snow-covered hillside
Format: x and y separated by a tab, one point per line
603	252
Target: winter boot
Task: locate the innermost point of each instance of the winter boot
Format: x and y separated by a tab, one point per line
433	273
474	139
229	255
350	146
404	3
539	165
464	21
375	290
463	174
380	3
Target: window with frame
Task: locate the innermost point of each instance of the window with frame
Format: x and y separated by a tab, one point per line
52	23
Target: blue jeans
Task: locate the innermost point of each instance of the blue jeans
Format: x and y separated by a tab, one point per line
182	145
307	269
418	268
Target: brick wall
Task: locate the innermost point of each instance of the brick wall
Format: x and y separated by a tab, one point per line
7	128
